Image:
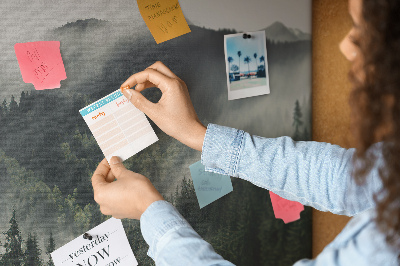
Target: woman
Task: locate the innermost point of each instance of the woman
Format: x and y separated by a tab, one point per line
316	174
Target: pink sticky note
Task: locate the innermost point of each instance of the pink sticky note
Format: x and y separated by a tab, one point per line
41	64
288	211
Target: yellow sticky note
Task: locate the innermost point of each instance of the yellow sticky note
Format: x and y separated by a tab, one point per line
164	18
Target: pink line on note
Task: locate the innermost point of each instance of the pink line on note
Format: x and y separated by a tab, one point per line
288	211
41	63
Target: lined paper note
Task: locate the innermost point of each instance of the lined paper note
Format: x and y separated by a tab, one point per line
118	126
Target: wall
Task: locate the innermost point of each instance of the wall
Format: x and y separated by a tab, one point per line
331	88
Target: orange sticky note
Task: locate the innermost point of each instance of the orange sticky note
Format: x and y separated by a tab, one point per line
41	63
288	211
164	18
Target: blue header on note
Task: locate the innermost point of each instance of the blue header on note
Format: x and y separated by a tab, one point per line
100	103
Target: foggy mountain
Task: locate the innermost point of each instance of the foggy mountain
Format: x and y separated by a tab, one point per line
278	32
99	57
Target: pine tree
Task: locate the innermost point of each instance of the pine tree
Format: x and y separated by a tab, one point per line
32	252
50	248
13	105
13	245
22	102
4	107
297	121
306	134
188	206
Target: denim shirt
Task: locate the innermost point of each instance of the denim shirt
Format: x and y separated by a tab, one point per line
312	173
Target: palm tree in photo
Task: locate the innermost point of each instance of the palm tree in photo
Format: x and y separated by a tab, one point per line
239	55
262	59
247	60
230	60
255	58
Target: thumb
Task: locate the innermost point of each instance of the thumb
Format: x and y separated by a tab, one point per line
117	167
138	100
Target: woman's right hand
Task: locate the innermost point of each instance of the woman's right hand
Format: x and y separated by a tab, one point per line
174	112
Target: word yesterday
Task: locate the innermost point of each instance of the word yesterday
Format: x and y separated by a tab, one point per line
92	244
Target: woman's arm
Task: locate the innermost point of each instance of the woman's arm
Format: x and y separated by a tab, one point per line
172	241
312	173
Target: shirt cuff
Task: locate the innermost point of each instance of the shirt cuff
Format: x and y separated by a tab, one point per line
158	219
222	148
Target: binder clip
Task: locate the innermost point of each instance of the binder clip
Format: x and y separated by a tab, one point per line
87	236
246	36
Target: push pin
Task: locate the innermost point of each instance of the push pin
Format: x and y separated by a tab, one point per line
87	236
246	36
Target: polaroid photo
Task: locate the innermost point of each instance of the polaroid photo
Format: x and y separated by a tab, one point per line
246	65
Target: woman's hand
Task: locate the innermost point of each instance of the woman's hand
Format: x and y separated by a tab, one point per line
174	113
128	196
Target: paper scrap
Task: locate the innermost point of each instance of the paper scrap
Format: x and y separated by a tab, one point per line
209	186
118	126
288	211
109	246
41	63
164	18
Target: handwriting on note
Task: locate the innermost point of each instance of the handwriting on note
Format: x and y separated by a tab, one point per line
288	211
41	64
164	19
209	186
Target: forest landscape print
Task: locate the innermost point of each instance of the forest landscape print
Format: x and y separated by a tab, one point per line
48	155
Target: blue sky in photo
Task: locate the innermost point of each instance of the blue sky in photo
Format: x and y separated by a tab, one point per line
248	47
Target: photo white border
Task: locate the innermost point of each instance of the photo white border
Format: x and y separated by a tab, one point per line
248	92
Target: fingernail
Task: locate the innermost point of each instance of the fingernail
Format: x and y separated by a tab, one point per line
115	160
127	87
127	93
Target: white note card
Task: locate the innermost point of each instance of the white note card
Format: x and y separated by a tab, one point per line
118	126
108	247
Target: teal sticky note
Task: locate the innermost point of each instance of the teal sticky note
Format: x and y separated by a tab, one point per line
209	186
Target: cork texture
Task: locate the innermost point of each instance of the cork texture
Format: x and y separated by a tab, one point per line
331	89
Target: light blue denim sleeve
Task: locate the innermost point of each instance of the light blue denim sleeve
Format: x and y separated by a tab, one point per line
312	173
172	241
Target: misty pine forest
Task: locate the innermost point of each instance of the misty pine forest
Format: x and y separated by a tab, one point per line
48	154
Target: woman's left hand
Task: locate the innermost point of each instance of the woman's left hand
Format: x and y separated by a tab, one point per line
128	196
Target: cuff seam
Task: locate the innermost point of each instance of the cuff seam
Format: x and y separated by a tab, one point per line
236	152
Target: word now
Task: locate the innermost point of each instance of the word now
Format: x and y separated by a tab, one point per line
94	260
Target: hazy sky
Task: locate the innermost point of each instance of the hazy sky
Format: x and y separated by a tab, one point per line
28	21
248	15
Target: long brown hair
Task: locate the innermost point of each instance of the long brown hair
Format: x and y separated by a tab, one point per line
375	103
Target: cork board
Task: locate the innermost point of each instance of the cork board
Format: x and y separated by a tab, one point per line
331	89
